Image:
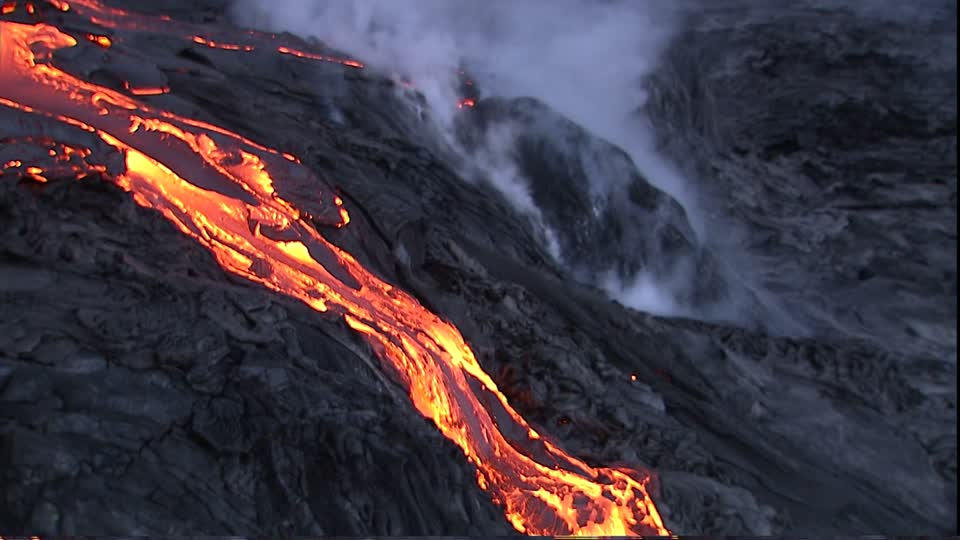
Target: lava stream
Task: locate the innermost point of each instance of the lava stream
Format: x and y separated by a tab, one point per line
120	19
218	188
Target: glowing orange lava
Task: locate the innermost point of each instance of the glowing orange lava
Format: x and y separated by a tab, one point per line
100	40
313	56
225	46
146	90
218	188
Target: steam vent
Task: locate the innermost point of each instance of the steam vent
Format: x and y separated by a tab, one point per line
266	271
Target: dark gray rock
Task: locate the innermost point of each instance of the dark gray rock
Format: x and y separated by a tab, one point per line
607	218
826	131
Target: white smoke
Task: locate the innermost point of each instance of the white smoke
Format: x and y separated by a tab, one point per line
495	162
643	292
585	58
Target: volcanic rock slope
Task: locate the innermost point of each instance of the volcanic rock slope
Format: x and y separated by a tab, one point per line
828	130
145	390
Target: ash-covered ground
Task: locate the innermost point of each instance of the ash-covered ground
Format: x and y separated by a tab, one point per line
144	390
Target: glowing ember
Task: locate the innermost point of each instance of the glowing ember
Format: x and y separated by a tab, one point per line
218	188
102	41
147	90
344	215
313	56
225	46
36	174
67	160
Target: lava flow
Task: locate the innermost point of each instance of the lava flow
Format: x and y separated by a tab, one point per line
218	188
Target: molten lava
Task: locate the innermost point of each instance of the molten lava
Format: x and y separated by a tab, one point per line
323	58
218	188
100	40
225	46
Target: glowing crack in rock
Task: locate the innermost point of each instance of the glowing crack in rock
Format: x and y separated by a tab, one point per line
218	188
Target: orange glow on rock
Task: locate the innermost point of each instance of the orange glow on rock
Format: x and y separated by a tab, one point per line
344	215
146	90
225	46
100	40
217	187
321	57
36	174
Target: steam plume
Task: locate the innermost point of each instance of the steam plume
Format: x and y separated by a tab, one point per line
584	58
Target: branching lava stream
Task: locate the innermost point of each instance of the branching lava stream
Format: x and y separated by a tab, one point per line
217	187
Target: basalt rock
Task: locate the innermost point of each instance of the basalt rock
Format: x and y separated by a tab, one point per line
826	132
607	218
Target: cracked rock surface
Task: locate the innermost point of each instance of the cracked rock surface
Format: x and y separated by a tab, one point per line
143	390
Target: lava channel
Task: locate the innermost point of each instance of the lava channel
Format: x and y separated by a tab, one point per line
218	188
